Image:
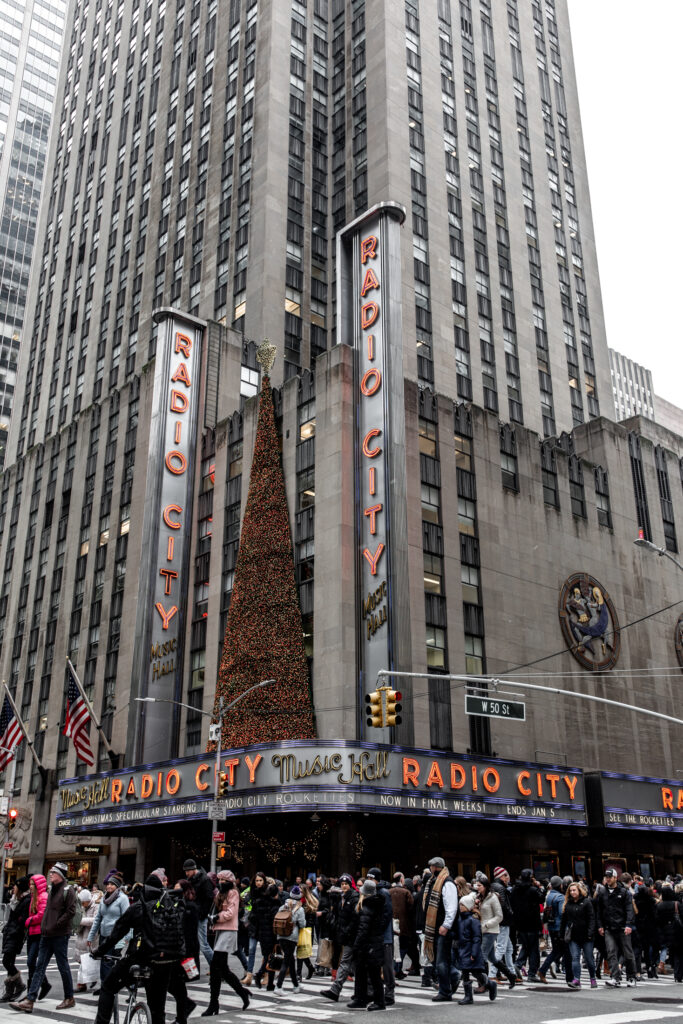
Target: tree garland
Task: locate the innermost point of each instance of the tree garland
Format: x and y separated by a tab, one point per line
264	636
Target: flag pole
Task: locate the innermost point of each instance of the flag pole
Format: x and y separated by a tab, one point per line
21	726
110	750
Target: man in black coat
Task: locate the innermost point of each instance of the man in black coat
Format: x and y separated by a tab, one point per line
204	894
616	918
525	899
166	973
345	928
13	935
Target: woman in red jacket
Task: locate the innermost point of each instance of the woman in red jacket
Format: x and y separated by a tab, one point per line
38	891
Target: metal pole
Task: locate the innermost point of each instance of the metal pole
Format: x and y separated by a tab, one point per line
214	824
7	833
494	681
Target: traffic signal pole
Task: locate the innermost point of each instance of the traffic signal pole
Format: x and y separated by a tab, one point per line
7	828
214	824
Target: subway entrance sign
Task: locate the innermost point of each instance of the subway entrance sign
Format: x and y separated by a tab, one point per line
495	707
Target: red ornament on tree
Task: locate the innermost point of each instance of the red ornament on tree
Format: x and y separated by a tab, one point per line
263	636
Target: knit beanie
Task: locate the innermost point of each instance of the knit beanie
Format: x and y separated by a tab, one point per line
499	872
369	887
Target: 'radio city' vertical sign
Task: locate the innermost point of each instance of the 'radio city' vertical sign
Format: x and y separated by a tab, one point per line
369	318
164	569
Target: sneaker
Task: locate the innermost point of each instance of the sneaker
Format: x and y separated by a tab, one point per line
574	984
611	983
631	982
594	982
297	989
534	979
329	994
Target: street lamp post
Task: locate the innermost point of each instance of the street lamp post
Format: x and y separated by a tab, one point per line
662	552
222	711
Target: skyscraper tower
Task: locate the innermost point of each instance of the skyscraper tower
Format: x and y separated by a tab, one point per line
206	155
32	40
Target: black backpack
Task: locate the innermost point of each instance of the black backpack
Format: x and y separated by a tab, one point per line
162	936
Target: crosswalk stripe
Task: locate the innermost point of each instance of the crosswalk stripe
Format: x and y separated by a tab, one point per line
630	1017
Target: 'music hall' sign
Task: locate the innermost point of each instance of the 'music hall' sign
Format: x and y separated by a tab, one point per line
337	775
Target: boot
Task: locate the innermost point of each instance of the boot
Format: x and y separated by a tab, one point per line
25	1006
501	967
212	1010
248	978
237	986
493	989
8	994
45	987
468	997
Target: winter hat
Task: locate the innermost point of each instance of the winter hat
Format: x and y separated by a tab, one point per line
190	865
115	880
85	896
346	878
161	875
499	872
610	873
226	876
22	883
295	892
526	875
60	869
375	873
111	875
154	882
369	887
244	881
556	882
467	902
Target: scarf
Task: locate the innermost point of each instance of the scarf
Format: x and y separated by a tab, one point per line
432	898
111	897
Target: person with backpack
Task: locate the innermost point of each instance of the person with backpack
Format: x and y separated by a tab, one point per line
155	918
59	920
224	923
13	935
552	915
286	924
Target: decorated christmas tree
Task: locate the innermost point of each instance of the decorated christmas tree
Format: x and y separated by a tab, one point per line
263	636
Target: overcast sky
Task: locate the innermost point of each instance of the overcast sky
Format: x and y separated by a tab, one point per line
628	67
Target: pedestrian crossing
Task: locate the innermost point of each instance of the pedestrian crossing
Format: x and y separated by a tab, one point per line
289	1007
265	1008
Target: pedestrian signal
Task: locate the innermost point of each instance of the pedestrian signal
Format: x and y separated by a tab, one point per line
374	709
223	852
394	706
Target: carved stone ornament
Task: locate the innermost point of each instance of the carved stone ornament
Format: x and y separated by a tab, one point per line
589	622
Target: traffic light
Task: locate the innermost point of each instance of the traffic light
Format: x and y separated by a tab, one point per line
223	784
12	817
374	709
393	707
223	852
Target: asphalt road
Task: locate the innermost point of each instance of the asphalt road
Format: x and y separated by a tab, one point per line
660	1000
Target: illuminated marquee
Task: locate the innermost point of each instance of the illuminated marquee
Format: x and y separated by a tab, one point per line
168	511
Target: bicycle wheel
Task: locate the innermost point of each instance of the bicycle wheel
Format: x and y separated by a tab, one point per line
140	1014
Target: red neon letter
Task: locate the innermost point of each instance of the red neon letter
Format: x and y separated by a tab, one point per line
368	314
181	375
253	765
183	344
178	468
179	402
166	616
370	453
373	559
369	282
367	248
372	513
171	523
170	576
411	771
366	387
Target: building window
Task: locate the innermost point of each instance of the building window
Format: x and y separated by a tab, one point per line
508	458
576	488
436	647
602	501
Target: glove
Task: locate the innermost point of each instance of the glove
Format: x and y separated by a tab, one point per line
96	954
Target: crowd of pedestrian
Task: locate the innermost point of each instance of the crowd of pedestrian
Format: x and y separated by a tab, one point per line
366	931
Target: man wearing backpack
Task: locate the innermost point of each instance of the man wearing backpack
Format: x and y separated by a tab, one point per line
55	930
552	916
156	920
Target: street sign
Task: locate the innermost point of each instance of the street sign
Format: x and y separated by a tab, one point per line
216	809
9	846
218	837
495	707
4	804
215	732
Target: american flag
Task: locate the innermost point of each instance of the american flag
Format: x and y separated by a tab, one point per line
77	724
11	733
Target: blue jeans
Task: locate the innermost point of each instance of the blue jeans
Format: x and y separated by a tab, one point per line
204	946
504	946
447	973
253	943
49	947
576	948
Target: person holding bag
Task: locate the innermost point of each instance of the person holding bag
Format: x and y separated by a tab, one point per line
265	910
89	970
288	943
304	950
111	907
224	923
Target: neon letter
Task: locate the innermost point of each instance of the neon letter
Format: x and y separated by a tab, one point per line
373	559
183	344
370	453
170	575
182	376
252	765
520	778
411	771
368	314
176	468
370	281
166	616
372	513
367	248
171	523
179	401
366	387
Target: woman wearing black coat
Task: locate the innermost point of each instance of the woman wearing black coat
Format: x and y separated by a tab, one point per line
577	927
190	919
13	936
264	910
368	948
665	913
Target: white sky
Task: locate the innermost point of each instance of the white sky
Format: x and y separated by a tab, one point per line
628	67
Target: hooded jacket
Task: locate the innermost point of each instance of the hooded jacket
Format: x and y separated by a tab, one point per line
368	945
579	917
34	921
59	911
14	932
525	900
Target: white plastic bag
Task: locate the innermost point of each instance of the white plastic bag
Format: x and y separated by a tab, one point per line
89	970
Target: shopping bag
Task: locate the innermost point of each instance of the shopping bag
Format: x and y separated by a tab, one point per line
89	971
325	953
304	947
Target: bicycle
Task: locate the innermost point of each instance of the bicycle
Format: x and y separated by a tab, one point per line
137	1011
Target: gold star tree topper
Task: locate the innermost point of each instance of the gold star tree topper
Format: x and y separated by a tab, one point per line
265	355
